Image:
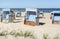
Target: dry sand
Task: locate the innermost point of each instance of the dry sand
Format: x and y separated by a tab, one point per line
38	31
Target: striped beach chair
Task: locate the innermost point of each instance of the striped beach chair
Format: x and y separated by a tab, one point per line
56	17
52	13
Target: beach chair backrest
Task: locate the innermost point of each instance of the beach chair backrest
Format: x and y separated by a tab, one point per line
41	14
29	14
5	14
32	18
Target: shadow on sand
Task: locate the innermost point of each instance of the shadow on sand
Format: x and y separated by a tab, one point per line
41	23
17	21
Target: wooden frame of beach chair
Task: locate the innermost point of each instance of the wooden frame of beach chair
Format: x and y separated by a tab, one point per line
1	19
56	17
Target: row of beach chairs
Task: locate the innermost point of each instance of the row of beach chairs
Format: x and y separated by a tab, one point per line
55	16
32	16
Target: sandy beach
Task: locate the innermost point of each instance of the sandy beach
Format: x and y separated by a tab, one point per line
38	31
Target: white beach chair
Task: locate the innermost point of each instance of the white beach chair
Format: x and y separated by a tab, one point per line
56	17
52	13
41	14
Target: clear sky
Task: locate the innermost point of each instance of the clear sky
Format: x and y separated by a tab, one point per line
29	3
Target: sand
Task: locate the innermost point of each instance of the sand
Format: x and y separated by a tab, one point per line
38	31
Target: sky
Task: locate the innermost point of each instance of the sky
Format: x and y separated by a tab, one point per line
29	3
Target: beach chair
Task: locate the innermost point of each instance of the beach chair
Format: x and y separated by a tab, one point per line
18	14
56	17
52	13
41	14
30	18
